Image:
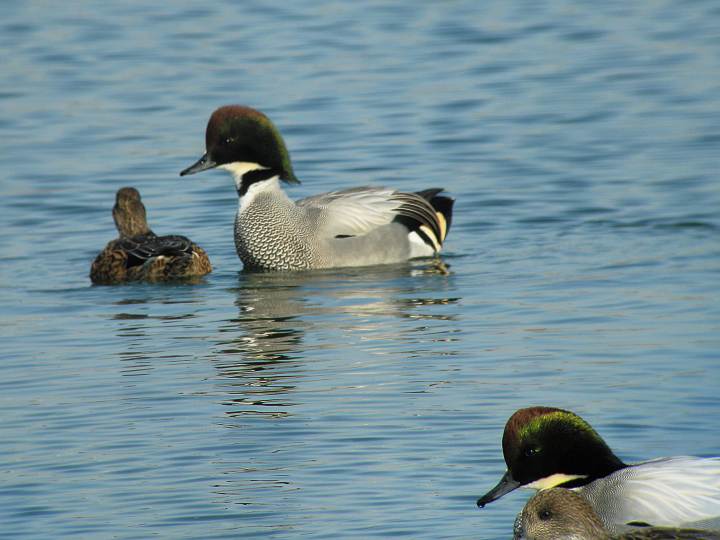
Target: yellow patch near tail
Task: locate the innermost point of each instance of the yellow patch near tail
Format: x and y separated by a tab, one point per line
443	226
431	236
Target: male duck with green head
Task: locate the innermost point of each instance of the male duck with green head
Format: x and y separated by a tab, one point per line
351	227
546	447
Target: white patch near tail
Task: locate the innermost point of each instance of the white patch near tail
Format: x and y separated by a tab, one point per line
419	247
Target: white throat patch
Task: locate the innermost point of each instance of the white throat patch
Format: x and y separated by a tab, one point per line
239	168
553	480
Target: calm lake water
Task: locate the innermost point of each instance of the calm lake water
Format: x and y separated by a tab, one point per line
582	144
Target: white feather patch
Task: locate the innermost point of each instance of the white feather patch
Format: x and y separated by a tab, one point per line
240	168
419	247
552	481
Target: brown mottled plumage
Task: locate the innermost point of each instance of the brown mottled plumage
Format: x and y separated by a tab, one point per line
139	254
560	513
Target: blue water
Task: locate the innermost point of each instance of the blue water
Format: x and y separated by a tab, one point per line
582	144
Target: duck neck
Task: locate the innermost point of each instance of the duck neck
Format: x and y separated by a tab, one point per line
267	193
599	466
130	224
247	173
262	178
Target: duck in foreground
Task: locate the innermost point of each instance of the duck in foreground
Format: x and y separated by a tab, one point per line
352	227
139	254
559	513
546	447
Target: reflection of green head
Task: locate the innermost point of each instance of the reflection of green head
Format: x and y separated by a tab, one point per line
236	133
541	441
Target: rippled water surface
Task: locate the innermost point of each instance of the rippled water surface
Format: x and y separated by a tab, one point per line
582	145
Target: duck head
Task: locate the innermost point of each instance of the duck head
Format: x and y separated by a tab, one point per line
245	142
545	447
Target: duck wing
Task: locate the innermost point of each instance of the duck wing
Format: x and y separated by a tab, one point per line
358	211
663	492
147	246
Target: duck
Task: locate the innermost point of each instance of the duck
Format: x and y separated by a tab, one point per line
547	447
359	226
559	513
138	254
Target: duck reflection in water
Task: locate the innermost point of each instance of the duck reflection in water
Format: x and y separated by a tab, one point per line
266	348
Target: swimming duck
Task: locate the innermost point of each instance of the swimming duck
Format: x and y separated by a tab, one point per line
139	254
352	227
545	447
559	513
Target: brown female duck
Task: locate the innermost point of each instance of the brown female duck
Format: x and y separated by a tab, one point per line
138	254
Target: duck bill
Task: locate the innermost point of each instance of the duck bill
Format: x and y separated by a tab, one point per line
506	485
202	164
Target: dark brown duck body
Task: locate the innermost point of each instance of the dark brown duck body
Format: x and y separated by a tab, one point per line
139	254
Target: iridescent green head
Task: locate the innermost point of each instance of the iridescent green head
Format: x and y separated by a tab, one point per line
546	447
241	135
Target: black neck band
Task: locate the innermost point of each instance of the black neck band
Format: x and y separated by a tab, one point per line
256	175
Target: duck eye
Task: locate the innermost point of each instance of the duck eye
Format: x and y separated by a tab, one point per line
544	515
229	140
530	451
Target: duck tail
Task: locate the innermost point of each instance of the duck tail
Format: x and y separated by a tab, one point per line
443	206
426	214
